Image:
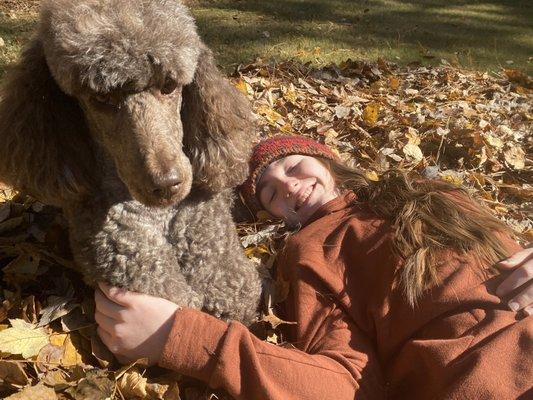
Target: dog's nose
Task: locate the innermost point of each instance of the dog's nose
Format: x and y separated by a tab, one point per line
167	184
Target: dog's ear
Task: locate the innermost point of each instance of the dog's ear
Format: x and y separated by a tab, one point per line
45	147
219	131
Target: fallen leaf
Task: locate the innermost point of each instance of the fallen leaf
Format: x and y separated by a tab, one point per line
95	386
394	82
493	141
515	157
244	87
342	112
132	384
275	321
37	392
370	114
11	224
57	307
5	211
100	351
25	264
22	338
161	391
412	152
11	372
372	175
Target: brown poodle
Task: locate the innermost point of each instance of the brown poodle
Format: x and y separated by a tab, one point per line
117	113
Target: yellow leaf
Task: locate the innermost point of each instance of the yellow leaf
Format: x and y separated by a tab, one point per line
412	152
270	115
256	250
412	136
22	338
264	216
394	83
493	141
452	177
290	95
244	87
370	114
372	176
71	355
132	384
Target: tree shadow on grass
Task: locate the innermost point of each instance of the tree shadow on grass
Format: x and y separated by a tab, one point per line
14	33
491	32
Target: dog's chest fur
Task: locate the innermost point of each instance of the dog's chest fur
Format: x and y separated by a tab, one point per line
168	252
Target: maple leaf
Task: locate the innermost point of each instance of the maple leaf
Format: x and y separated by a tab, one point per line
22	338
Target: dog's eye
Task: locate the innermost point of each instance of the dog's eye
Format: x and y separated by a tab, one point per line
104	98
169	86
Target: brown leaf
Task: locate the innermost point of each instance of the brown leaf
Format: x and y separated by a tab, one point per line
100	351
275	321
57	307
12	373
95	386
37	392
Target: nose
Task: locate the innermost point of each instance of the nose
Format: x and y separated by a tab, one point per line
290	186
167	184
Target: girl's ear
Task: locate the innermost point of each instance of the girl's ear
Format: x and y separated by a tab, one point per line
45	147
219	132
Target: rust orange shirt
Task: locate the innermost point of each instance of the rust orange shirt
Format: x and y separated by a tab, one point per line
357	337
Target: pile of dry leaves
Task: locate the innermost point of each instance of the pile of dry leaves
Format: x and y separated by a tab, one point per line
469	128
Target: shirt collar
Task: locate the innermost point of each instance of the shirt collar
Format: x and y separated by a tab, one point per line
343	201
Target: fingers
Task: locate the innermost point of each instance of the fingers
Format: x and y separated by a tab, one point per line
107	339
116	294
517	258
107	306
105	322
523	300
111	344
517	278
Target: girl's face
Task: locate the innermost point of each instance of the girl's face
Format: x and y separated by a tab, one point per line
294	187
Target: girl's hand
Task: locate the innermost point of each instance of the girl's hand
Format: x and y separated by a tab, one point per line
522	263
133	325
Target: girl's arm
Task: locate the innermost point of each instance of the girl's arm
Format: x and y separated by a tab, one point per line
226	355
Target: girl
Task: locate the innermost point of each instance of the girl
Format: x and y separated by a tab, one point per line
389	284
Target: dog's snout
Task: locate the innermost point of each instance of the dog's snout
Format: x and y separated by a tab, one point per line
167	184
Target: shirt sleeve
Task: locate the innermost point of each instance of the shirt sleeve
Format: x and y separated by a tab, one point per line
340	365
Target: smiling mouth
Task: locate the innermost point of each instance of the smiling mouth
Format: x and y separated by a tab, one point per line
304	197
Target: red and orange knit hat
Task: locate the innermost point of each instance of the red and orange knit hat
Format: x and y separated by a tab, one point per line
273	149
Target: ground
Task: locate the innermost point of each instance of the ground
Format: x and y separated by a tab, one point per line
468	126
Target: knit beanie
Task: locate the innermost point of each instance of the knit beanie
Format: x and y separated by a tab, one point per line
272	149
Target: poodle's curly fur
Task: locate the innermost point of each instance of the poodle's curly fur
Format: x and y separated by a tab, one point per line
117	113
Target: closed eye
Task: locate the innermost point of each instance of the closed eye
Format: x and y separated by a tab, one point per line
292	168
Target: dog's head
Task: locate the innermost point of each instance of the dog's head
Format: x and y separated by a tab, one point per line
134	77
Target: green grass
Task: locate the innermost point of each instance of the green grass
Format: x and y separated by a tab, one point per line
482	35
14	31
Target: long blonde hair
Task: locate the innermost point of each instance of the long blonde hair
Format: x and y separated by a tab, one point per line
427	216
